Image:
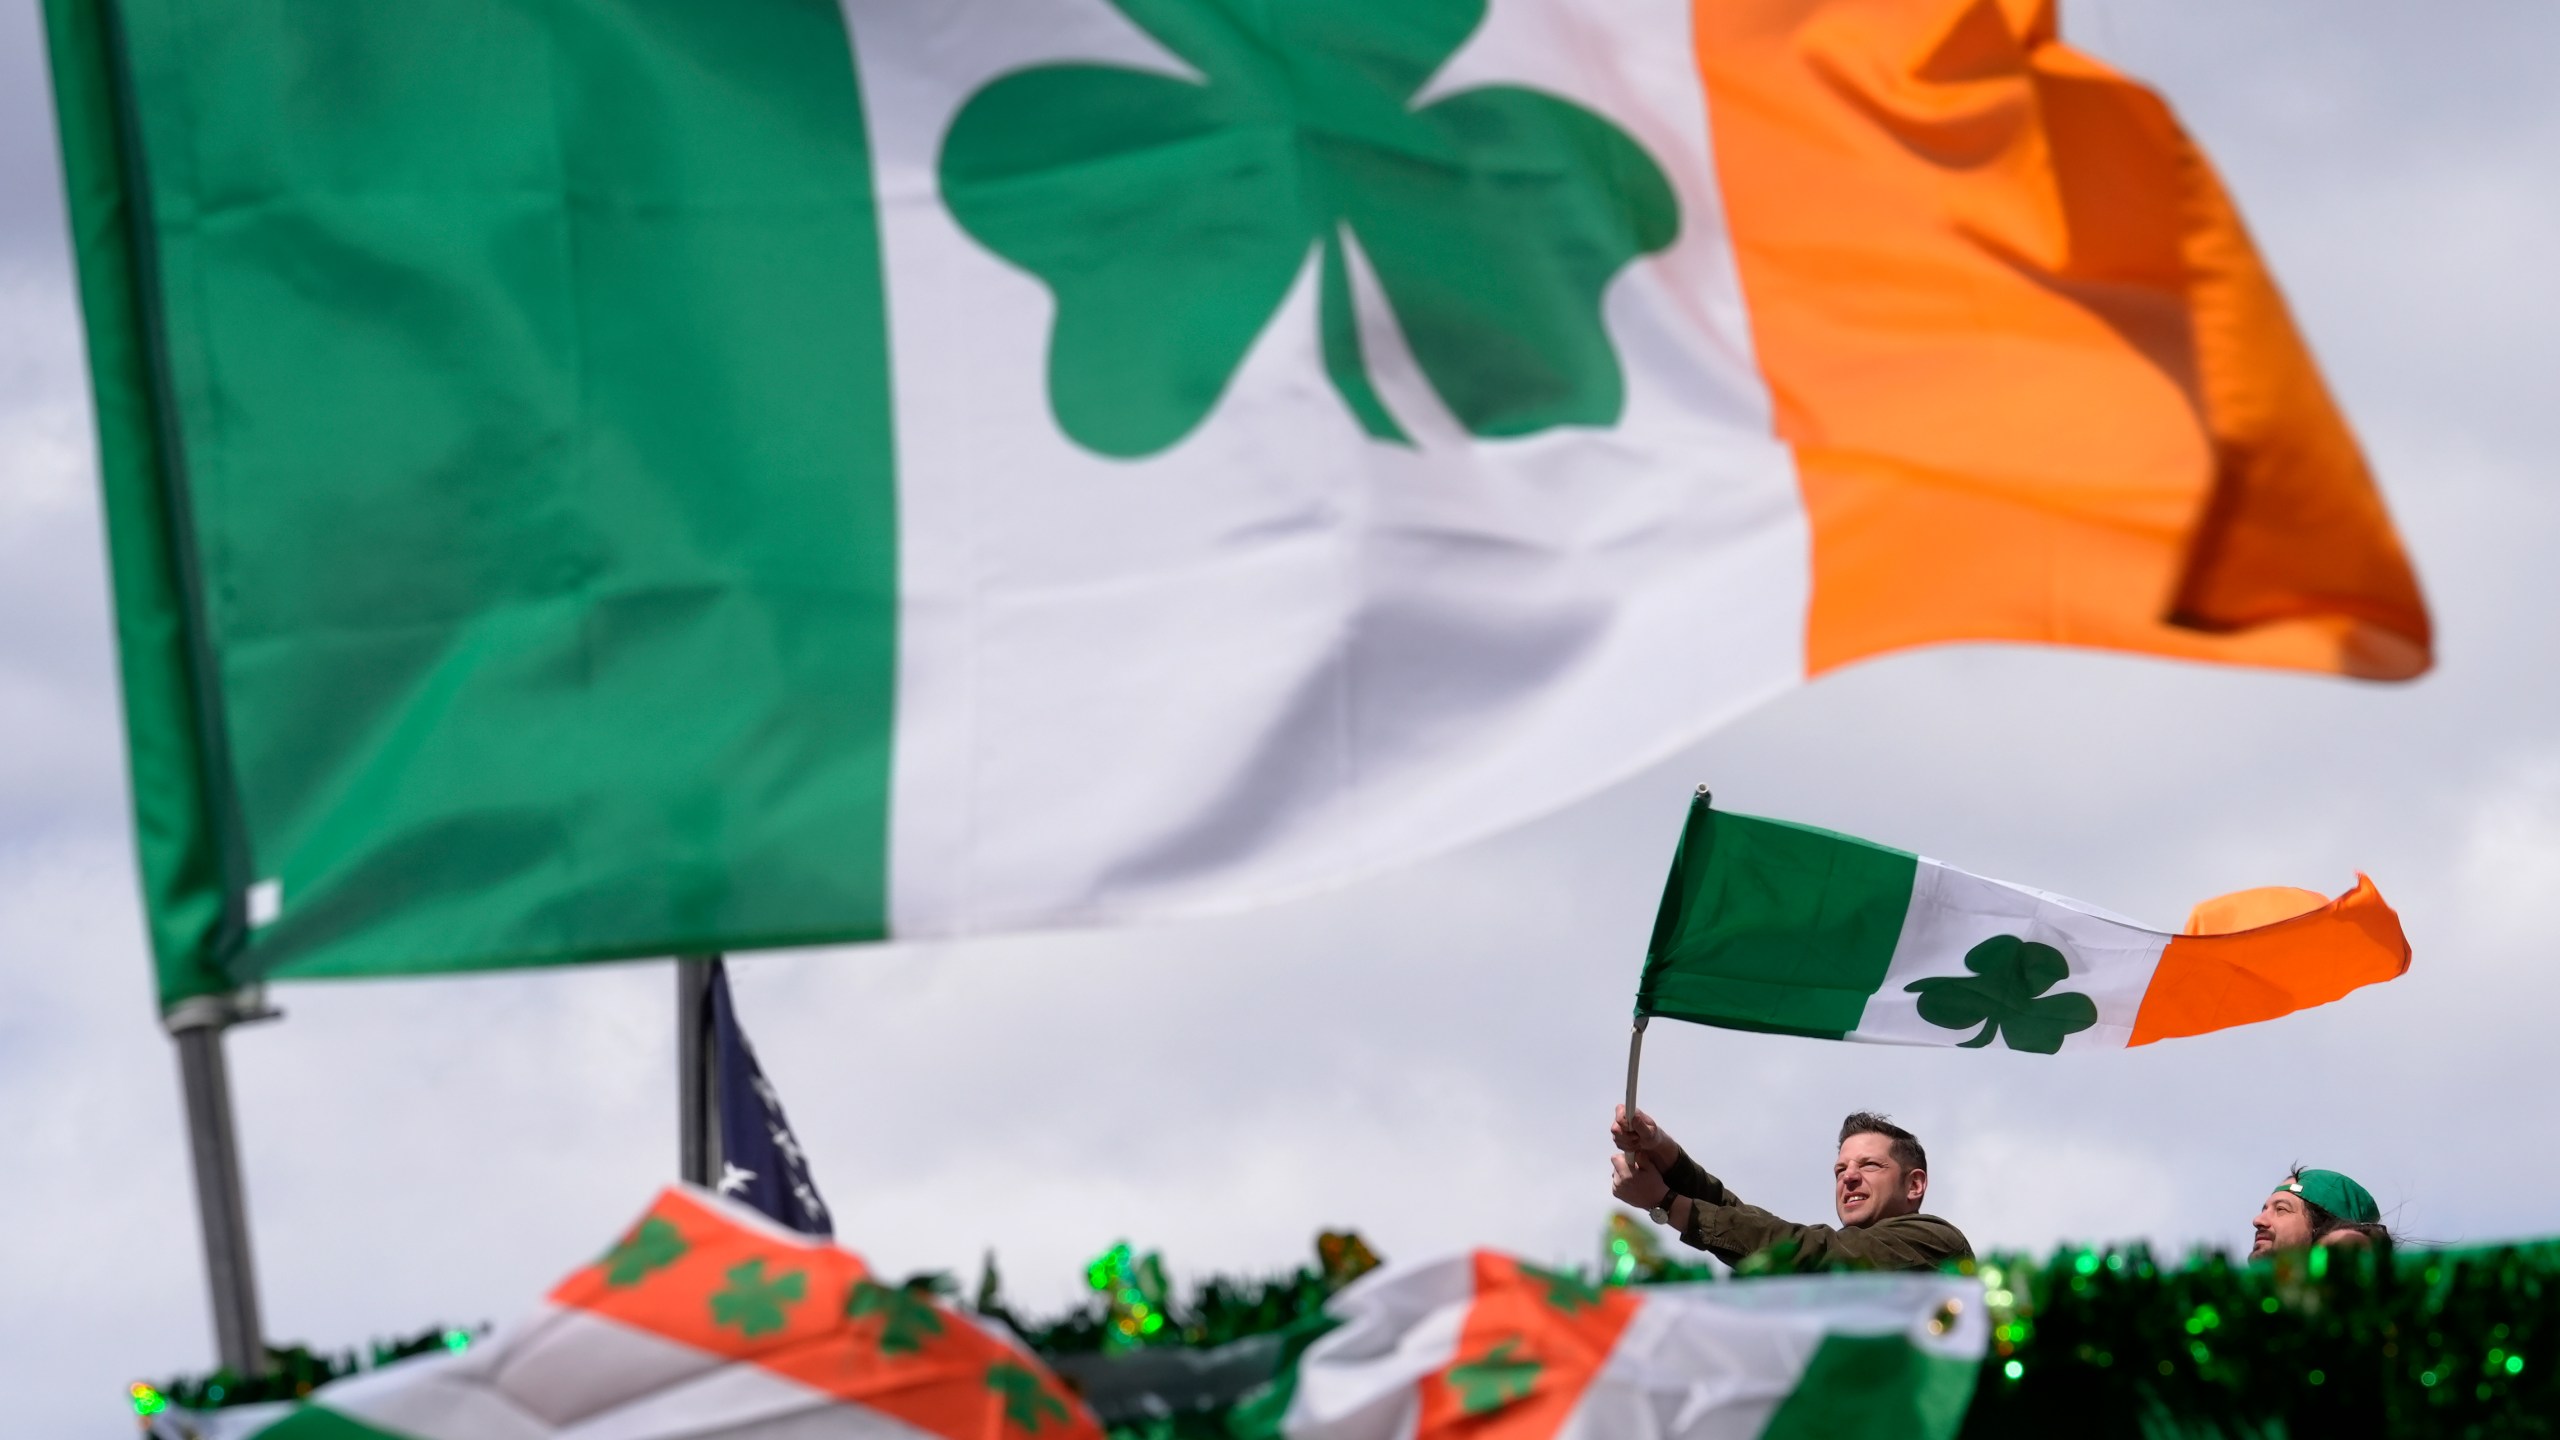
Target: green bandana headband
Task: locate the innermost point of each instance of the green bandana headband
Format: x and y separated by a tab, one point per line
2336	1194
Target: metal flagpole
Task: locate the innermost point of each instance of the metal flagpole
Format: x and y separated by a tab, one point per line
697	1106
221	1203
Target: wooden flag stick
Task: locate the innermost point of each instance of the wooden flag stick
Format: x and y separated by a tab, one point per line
1635	1038
1635	1059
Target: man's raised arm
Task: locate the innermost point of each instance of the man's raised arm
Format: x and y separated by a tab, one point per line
1879	1180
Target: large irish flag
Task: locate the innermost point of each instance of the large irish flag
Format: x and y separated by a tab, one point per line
593	478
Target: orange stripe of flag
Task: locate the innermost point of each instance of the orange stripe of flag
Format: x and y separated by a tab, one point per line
1531	1344
2038	382
2212	982
670	1273
691	1274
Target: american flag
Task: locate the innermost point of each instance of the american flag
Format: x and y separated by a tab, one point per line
761	1162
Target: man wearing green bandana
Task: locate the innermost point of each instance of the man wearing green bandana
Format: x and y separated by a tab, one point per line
2317	1207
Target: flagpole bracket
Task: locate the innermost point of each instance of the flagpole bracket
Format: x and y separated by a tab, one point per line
245	1006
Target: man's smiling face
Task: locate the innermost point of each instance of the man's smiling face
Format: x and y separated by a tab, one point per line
1867	1186
2283	1223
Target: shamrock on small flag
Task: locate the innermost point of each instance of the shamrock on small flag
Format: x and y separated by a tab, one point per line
2006	997
753	1303
1501	1376
652	1245
1028	1405
1566	1291
907	1319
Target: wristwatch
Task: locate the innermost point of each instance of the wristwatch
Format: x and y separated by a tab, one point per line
1662	1213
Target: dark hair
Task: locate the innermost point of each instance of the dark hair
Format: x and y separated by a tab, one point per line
1906	1146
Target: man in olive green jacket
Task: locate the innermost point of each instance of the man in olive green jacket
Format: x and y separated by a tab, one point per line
1877	1184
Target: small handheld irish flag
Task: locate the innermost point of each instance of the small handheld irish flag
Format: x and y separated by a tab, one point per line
1772	926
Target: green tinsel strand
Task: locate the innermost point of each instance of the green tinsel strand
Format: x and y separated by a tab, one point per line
293	1371
2451	1343
2326	1342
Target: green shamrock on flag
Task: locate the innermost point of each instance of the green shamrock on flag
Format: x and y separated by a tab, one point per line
652	1245
1502	1376
1028	1405
908	1320
753	1303
1566	1291
1170	214
2006	997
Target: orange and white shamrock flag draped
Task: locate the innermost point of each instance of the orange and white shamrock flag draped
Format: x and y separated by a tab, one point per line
708	1319
617	483
1485	1347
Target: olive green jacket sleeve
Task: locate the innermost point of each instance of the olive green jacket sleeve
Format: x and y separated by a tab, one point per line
1721	1225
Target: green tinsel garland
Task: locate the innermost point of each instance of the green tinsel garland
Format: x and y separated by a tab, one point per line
2098	1343
293	1371
2110	1342
2322	1342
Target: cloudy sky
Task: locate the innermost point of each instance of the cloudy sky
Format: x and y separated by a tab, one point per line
1431	1057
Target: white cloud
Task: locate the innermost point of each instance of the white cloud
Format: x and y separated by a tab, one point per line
101	1271
44	417
2510	863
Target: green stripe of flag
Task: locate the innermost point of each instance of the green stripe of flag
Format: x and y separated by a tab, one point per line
171	777
495	405
319	1422
1770	926
1875	1387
